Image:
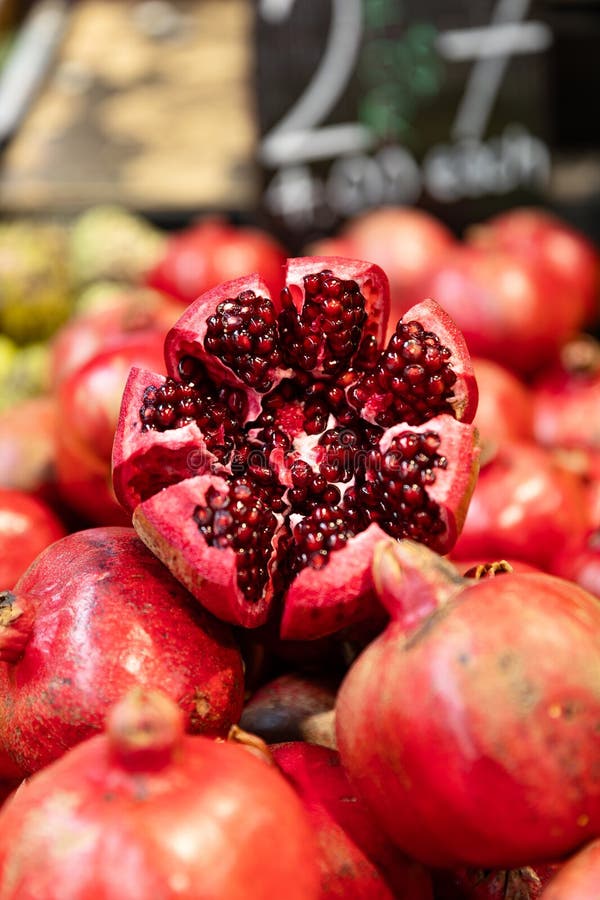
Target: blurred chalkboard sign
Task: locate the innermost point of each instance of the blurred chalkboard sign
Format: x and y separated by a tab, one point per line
448	104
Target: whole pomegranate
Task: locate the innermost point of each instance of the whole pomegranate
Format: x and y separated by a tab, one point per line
501	302
356	861
403	240
27	446
505	408
566	398
293	707
286	439
525	506
27	526
544	238
204	254
89	400
144	811
470	725
94	615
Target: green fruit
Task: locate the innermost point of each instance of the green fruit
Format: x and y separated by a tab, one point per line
35	294
111	243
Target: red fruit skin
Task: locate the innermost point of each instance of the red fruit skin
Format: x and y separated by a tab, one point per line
211	821
89	399
565	410
404	241
130	312
202	256
578	878
27	526
505	408
27	446
107	616
501	304
355	859
564	251
525	506
582	564
473	738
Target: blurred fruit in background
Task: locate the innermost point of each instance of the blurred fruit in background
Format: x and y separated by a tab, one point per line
35	288
27	526
112	243
206	254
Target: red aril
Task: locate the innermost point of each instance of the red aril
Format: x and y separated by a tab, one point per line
144	811
27	526
285	439
525	506
94	615
212	251
568	256
356	861
469	727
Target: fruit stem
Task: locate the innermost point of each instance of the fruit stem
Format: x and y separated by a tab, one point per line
144	730
16	623
412	581
250	742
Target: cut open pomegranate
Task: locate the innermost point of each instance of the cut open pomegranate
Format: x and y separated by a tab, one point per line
286	437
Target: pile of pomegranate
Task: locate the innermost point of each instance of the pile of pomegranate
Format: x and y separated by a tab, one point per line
301	573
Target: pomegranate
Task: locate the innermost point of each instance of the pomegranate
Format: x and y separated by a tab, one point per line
95	614
27	526
89	400
578	878
470	725
123	311
500	302
27	446
505	408
526	883
145	811
568	256
403	240
525	506
582	563
566	398
285	440
293	707
355	860
209	252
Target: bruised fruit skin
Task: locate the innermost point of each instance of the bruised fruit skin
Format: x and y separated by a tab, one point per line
355	860
287	437
526	883
94	615
473	735
145	811
27	526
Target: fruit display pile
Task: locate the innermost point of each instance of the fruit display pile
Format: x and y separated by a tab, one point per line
300	569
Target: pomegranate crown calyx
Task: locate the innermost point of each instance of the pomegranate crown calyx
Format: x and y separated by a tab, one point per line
413	581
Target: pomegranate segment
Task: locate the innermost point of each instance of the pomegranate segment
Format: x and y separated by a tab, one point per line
284	429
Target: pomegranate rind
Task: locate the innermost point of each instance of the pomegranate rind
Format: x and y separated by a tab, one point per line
144	462
321	602
473	739
370	278
186	337
166	525
453	486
